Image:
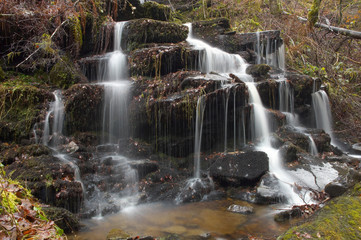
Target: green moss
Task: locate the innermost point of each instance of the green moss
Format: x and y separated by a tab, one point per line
313	13
19	108
338	220
64	74
156	11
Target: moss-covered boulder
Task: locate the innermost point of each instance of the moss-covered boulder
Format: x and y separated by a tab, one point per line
63	219
64	74
162	60
339	219
258	70
49	179
154	10
144	31
83	108
20	108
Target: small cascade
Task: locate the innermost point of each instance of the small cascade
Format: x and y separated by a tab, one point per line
36	138
115	111
113	75
226	100
212	59
259	48
54	121
312	149
201	104
260	127
286	96
322	111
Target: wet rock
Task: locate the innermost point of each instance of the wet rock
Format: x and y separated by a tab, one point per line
83	108
357	147
117	234
288	214
144	31
288	152
336	188
162	60
268	92
64	74
258	70
194	190
144	167
269	191
240	209
217	33
153	10
49	179
63	219
239	169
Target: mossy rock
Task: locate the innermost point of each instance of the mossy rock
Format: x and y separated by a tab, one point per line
142	31
258	70
117	234
20	107
62	218
64	74
339	219
154	10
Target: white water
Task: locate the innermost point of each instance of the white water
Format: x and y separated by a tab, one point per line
322	110
113	75
286	96
312	149
54	121
201	104
214	59
226	100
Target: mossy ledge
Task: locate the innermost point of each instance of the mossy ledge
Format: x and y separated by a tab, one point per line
339	219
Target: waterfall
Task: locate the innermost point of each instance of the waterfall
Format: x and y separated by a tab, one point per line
55	114
212	59
113	75
322	111
259	47
201	104
286	96
312	149
226	100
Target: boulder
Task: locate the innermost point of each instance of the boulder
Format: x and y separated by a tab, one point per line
162	60
63	219
288	152
239	169
83	108
144	167
240	209
144	31
336	188
284	216
258	70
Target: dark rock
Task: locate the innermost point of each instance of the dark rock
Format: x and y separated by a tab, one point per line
194	190
240	209
288	214
50	180
269	191
336	188
288	152
63	219
64	74
144	167
258	70
154	10
83	108
357	147
162	60
239	169
144	31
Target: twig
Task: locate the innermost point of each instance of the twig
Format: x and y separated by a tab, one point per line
52	35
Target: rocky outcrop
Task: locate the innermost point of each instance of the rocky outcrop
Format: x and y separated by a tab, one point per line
140	32
161	60
239	169
83	108
49	179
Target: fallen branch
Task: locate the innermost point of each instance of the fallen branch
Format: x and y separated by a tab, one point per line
52	35
343	31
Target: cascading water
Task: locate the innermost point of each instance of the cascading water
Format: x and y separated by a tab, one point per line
53	133
322	111
201	103
113	75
